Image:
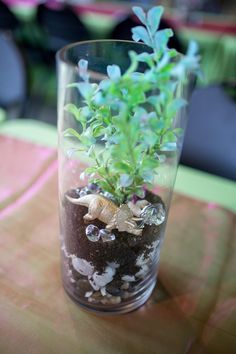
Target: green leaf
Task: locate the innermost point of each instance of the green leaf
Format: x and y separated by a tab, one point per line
148	176
125	180
161	39
159	124
138	151
73	84
149	163
80	114
140	192
99	99
144	57
87	137
169	137
192	48
98	131
71	108
86	89
113	71
90	170
178	132
150	138
173	107
138	11
83	69
102	171
85	111
169	147
154	17
104	185
156	100
70	132
141	34
164	62
122	166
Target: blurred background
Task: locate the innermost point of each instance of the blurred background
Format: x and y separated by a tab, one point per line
31	31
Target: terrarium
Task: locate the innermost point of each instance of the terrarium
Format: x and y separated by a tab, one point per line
121	121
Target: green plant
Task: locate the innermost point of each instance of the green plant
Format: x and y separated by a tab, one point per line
122	111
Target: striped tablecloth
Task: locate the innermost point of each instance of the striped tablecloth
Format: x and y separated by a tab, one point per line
192	310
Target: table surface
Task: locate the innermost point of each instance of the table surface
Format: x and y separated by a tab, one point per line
192	309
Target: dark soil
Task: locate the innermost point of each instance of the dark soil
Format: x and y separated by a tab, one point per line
124	250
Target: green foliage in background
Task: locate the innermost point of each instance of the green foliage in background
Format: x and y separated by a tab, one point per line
135	125
2	115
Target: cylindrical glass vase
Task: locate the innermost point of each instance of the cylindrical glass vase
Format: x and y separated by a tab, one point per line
118	159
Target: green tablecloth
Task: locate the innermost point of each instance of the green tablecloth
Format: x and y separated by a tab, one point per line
218	53
190	182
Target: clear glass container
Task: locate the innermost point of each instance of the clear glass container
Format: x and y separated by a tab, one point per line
106	268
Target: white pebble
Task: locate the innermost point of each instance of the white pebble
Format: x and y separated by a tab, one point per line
88	294
113	264
125	286
103	279
93	284
82	266
128	278
103	291
141	260
115	300
143	271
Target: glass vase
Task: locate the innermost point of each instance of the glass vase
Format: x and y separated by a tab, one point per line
110	249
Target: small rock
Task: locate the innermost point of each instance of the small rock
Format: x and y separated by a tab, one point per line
108	196
92	233
141	260
154	255
106	235
113	265
84	191
153	214
82	266
97	295
103	291
88	294
76	275
126	295
114	288
125	286
77	192
105	301
83	287
93	187
93	284
128	278
143	271
92	300
100	280
115	300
